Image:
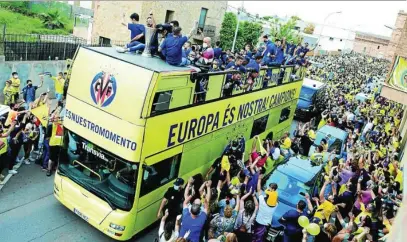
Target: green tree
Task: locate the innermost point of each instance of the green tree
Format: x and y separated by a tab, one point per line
53	20
248	32
285	30
227	31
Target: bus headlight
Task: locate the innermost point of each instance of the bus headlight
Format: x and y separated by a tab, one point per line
117	227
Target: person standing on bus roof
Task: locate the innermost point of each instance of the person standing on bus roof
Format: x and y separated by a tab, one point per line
172	200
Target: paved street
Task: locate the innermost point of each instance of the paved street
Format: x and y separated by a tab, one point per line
29	212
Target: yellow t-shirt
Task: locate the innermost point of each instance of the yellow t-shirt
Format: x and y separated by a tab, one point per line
15	85
286	143
363	213
59	85
321	123
324	210
3	145
272	198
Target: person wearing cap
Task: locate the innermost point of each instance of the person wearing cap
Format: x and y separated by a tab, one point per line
267	207
172	199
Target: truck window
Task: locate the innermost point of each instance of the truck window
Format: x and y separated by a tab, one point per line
161	101
160	174
259	125
307	93
337	144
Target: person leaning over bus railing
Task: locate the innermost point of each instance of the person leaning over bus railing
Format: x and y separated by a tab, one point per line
171	47
172	200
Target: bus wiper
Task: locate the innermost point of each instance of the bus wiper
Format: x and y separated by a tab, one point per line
112	206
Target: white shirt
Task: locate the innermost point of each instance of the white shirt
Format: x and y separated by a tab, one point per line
368	127
174	234
276	154
265	214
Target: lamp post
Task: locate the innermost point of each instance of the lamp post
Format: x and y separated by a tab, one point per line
323	26
237	26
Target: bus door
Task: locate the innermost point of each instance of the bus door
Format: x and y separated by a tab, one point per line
157	175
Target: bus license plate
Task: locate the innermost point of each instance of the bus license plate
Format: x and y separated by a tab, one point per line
80	214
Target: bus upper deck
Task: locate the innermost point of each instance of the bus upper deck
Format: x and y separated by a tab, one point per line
128	90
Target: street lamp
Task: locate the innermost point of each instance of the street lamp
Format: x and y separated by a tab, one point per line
323	26
237	26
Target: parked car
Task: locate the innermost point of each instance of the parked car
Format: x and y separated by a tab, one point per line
295	178
307	108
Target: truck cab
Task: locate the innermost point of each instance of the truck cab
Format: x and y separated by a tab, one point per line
336	139
295	178
306	107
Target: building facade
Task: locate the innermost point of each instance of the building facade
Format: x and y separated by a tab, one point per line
108	16
371	44
398	41
332	38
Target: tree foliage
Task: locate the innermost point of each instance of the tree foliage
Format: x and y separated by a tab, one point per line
248	32
227	30
309	29
285	30
53	20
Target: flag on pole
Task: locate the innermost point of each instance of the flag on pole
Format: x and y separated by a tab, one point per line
41	113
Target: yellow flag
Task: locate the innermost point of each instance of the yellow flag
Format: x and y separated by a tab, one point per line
41	113
261	148
399	75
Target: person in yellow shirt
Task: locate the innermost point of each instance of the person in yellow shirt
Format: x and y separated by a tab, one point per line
15	85
59	82
286	144
9	97
325	207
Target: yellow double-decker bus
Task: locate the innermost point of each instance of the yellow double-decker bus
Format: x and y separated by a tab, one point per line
134	124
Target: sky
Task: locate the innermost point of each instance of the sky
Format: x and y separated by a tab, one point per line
365	16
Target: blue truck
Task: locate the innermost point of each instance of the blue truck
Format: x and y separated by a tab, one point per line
306	107
298	176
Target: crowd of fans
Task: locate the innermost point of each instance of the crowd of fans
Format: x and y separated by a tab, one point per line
30	126
361	190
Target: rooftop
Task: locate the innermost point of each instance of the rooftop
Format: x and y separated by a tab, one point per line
150	63
312	83
300	168
358	33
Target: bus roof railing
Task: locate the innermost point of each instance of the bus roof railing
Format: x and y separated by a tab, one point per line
196	75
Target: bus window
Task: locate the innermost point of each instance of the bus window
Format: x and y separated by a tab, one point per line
259	126
160	174
161	101
285	114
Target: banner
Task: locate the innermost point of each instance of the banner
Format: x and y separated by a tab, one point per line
398	77
41	113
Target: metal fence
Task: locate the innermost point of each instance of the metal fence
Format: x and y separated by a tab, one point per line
32	47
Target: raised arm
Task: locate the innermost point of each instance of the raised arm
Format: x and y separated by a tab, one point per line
123	20
193	30
309	203
321	194
208	191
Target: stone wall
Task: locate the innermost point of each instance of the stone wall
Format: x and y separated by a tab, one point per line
29	70
108	15
371	47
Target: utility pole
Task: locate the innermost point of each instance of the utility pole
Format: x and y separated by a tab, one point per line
237	26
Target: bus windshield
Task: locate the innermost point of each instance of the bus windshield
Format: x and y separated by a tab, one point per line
307	93
98	171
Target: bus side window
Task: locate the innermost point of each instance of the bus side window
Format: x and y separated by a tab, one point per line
161	101
285	114
160	174
259	126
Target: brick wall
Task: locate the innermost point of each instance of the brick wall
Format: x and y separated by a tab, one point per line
398	42
108	15
370	46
